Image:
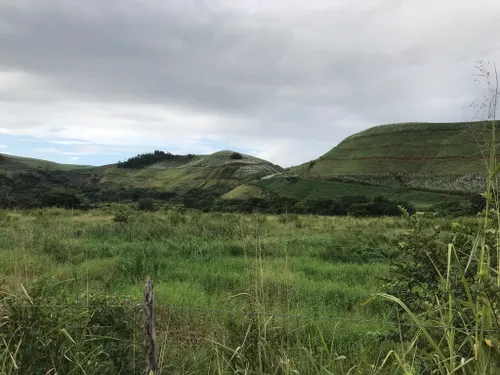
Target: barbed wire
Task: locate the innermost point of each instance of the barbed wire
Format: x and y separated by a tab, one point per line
258	313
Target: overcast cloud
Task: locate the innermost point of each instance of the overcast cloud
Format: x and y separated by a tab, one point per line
283	80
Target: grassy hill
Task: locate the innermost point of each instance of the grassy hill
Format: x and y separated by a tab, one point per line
202	171
16	163
25	179
423	148
424	163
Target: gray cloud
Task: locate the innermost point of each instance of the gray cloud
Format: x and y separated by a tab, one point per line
275	75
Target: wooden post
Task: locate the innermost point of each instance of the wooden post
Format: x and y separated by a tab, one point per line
150	330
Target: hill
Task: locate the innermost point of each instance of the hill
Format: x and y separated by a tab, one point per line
16	163
24	181
423	148
200	171
424	163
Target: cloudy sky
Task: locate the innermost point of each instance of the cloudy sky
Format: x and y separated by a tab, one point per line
96	81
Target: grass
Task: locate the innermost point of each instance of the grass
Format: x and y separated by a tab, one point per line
207	266
244	192
314	272
10	162
201	171
448	148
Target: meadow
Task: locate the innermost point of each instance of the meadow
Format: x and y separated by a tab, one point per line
211	268
234	292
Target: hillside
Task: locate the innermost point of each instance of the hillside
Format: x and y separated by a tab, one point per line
17	163
202	171
23	180
423	148
424	163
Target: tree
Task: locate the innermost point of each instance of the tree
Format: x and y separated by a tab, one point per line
236	156
60	197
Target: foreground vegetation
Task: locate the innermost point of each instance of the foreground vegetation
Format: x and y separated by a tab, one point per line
248	293
204	264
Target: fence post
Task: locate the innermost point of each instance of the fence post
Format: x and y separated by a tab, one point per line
149	327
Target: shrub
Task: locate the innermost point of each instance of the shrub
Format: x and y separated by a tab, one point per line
123	214
147	204
236	251
236	156
121	217
60	197
361	209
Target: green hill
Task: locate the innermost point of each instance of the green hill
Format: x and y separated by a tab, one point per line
424	148
424	163
16	163
202	171
24	179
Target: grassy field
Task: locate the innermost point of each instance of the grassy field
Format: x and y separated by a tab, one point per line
211	269
10	162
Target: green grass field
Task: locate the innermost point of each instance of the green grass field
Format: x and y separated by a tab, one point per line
10	162
210	269
198	172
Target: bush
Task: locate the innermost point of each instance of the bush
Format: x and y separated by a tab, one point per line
66	198
470	207
123	214
147	204
361	209
121	217
380	206
236	155
236	251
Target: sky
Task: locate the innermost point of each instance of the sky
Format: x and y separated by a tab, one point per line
94	82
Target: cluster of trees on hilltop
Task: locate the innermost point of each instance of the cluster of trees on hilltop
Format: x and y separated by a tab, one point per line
149	158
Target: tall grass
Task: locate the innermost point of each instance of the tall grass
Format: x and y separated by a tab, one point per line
210	271
459	333
248	293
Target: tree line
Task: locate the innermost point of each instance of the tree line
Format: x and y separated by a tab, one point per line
143	160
